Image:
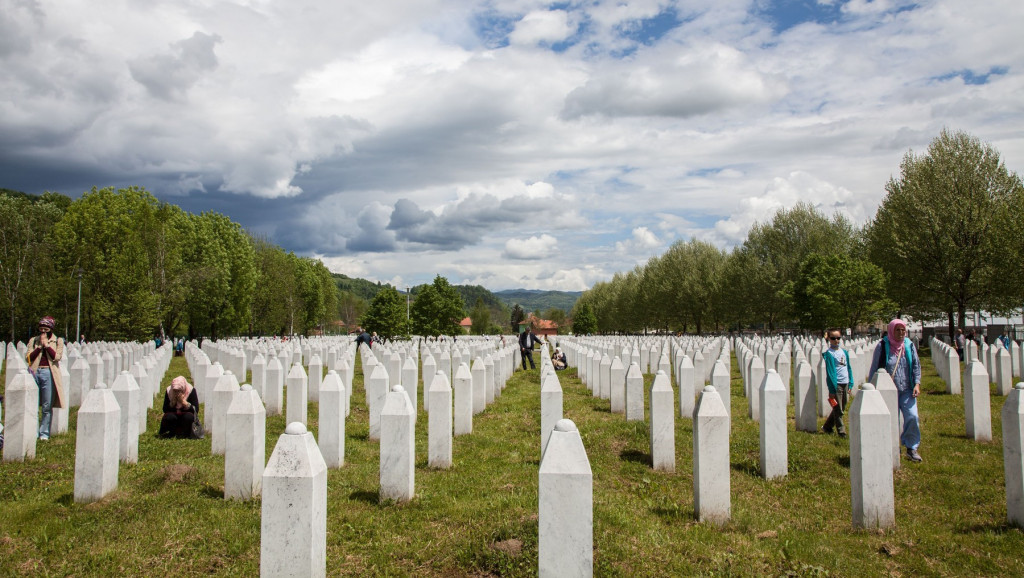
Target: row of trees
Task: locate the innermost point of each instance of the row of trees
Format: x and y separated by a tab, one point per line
947	238
147	268
437	310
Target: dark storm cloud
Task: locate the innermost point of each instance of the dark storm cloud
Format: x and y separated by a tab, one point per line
458	225
373	235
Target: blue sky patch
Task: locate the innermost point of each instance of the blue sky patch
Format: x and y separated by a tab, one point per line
650	30
972	77
493	28
785	14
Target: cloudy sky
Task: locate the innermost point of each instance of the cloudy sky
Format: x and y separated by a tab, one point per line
507	144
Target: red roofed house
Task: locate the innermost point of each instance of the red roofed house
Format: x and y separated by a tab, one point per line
467	325
542	327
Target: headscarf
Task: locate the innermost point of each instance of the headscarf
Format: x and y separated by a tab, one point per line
48	322
896	345
179	385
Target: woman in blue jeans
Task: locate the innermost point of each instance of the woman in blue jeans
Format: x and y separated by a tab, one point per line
897	354
44	354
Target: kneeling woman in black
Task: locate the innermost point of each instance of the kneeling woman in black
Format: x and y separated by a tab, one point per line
181	409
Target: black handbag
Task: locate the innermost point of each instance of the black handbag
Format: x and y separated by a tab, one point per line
198	432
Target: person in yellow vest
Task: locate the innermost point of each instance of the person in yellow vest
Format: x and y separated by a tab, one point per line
44	354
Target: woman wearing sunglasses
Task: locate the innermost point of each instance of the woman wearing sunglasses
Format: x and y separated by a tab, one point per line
44	354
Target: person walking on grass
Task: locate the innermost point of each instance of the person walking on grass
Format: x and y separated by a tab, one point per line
897	355
837	368
44	354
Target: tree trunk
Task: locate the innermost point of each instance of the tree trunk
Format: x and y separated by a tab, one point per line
952	328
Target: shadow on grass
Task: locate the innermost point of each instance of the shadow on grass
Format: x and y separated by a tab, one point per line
212	492
675	513
843	461
366	496
636	456
749	468
962	436
66	499
361	436
1001	528
934	392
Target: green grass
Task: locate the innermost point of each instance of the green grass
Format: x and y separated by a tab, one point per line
168	515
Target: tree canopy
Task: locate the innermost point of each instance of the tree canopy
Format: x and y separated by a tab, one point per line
948	230
437	310
386	314
148	268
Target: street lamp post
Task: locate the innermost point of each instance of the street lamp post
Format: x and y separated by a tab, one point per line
78	316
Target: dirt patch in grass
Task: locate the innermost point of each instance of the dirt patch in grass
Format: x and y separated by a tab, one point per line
513	546
9	544
889	549
177	473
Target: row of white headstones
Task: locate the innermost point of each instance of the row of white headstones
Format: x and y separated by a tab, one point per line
565	484
110	418
873	415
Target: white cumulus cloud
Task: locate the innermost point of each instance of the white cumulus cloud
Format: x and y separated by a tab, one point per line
536	247
542	26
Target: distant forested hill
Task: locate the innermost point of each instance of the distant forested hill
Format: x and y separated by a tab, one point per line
539	301
470	293
359	287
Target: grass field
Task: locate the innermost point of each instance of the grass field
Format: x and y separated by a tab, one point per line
168	516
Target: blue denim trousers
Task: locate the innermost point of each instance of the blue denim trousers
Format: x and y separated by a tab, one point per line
45	382
911	437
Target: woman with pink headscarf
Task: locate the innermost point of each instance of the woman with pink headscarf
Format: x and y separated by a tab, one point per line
181	407
897	355
45	352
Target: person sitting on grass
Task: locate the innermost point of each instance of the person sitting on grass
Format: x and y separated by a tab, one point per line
558	359
181	409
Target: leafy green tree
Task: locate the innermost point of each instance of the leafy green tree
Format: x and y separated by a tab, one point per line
222	276
350	307
481	317
945	230
110	235
438	309
584	322
558	316
689	277
26	269
517	317
386	314
773	252
274	302
169	277
328	294
318	293
839	291
421	312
